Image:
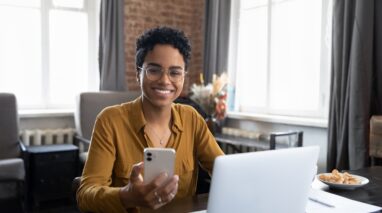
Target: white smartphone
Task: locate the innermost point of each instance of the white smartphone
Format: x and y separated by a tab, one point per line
158	160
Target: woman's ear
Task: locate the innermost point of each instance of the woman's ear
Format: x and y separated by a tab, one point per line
139	77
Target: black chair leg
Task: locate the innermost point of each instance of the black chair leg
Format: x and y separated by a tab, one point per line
22	196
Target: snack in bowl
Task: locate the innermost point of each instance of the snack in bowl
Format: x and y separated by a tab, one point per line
339	178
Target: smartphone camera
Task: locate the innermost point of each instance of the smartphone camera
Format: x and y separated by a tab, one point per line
149	156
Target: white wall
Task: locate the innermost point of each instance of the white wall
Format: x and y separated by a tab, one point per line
47	122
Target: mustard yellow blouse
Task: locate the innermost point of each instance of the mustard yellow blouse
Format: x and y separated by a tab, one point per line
118	141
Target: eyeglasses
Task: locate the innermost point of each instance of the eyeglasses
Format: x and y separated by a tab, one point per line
154	73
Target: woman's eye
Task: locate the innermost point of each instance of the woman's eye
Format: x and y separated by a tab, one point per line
175	72
154	70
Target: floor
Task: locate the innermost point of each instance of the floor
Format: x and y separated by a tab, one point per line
62	209
60	206
57	207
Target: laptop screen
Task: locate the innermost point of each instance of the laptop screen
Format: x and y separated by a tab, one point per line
267	181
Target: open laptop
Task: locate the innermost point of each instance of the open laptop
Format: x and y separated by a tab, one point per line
267	181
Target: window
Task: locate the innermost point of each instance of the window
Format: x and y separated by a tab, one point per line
48	51
279	57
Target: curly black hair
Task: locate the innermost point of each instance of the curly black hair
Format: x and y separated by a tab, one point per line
162	35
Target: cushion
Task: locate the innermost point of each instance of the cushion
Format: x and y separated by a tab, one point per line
8	190
12	169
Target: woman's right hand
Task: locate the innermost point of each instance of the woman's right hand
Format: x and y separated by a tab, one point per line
155	194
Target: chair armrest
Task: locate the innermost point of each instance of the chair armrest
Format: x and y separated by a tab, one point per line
22	147
79	139
81	142
75	185
274	135
24	152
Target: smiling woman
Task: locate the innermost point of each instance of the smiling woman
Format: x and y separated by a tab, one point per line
122	132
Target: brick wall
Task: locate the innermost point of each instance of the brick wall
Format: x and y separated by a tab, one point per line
188	15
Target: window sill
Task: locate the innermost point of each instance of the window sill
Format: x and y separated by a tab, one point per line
301	121
43	113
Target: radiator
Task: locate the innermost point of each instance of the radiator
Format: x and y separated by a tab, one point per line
36	137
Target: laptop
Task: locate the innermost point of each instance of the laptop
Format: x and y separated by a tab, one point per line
267	181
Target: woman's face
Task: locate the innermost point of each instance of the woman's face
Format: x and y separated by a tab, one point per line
161	90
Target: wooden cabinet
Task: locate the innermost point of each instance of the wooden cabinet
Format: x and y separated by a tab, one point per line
51	169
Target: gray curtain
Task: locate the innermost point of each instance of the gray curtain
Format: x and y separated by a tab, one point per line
111	46
355	81
376	94
216	38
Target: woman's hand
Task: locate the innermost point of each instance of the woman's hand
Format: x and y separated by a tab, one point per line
153	195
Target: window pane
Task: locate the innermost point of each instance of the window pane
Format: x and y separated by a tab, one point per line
20	54
252	58
79	4
69	56
247	4
295	55
23	3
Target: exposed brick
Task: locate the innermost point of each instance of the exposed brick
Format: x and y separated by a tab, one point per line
187	15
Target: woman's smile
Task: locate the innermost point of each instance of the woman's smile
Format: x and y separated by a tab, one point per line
163	91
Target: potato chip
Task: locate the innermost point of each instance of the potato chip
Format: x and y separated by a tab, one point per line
339	178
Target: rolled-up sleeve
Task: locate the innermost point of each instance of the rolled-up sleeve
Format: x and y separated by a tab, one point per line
95	193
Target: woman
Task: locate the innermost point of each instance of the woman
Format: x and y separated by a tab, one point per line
112	179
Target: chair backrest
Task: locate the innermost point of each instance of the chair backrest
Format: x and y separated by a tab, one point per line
90	104
298	142
9	127
375	143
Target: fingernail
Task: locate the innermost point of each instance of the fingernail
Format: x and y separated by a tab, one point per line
164	174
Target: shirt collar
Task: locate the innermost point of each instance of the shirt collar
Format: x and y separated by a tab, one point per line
177	122
136	113
139	120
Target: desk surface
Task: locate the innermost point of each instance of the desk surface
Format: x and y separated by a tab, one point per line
189	204
370	193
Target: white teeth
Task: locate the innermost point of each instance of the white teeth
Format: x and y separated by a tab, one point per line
163	91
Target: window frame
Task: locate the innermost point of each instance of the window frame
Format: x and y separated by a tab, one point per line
91	8
235	110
